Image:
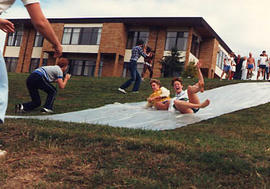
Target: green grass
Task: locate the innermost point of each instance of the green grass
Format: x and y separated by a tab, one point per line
230	151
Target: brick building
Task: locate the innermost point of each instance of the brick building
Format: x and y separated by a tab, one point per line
102	46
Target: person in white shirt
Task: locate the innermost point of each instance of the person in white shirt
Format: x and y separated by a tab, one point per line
233	66
42	25
244	69
226	69
187	101
262	64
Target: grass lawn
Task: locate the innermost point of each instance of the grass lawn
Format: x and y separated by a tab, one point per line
230	151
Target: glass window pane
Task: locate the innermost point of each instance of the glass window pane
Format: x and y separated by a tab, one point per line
34	64
66	36
75	36
85	36
130	40
170	43
11	64
77	67
89	68
38	40
182	44
11	39
94	36
99	36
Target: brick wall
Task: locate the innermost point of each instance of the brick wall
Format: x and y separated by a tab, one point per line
113	38
29	50
208	55
160	45
48	47
59	30
26	49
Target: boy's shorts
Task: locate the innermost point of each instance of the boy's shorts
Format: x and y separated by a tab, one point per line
227	68
250	66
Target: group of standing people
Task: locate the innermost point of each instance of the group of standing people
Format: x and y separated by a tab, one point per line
245	68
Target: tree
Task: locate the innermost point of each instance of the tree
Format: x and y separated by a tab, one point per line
171	65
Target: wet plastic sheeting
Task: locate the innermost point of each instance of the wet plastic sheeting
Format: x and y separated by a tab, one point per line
133	115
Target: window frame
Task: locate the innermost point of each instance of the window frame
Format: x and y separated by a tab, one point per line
70	40
136	35
169	47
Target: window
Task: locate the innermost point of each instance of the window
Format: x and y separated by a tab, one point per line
220	59
11	64
45	62
135	36
195	46
176	40
38	40
81	36
34	64
82	67
15	39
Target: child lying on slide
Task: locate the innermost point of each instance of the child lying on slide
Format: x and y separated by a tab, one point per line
187	101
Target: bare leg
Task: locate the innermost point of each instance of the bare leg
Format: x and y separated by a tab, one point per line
186	107
162	106
222	75
194	89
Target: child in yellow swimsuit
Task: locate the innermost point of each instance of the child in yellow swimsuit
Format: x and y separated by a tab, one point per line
160	98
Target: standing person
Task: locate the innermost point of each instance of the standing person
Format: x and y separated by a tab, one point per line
187	102
41	24
41	78
136	53
238	73
148	62
226	69
267	70
250	66
262	64
233	66
244	69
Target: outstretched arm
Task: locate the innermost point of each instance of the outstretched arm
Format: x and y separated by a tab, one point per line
6	26
42	25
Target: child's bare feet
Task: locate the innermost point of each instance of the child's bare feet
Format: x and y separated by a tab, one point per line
205	103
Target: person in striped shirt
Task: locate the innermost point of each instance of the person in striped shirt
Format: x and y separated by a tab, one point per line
136	53
41	79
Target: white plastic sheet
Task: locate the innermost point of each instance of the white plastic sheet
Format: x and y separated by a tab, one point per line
134	115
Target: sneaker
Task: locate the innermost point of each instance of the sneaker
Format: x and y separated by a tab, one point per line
122	91
45	110
19	108
3	153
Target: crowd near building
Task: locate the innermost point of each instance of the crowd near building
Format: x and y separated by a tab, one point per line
101	47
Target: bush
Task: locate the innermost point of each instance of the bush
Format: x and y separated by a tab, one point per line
191	71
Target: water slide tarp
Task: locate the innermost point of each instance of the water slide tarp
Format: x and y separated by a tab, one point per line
134	115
